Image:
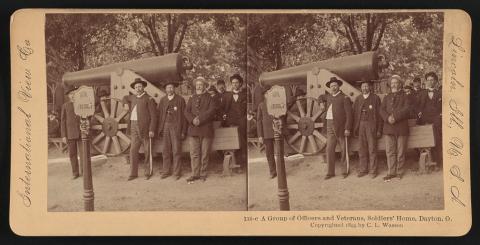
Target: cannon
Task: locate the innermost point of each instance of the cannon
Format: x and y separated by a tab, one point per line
305	116
109	123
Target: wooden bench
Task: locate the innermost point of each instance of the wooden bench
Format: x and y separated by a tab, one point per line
256	143
225	139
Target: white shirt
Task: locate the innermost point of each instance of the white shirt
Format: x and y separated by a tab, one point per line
430	93
366	95
170	97
235	95
330	110
133	115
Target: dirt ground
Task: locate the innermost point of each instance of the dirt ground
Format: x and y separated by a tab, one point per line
309	191
114	193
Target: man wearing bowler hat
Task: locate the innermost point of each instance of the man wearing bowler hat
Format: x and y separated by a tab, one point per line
199	114
70	130
394	110
367	126
235	109
142	124
338	122
172	126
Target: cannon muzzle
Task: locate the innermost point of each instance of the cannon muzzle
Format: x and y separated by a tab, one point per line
350	68
157	70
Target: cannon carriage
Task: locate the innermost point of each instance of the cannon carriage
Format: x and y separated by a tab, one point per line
305	116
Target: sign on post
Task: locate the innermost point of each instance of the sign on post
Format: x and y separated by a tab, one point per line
276	100
84	101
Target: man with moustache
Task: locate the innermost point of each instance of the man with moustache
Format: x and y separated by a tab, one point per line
199	114
70	130
235	108
338	122
142	124
172	126
430	112
265	133
368	127
395	110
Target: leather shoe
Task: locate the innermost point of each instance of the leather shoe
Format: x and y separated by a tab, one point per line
165	176
328	177
361	175
273	175
344	176
178	177
75	176
131	178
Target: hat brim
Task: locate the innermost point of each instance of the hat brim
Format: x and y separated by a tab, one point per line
239	78
70	90
142	82
172	83
340	83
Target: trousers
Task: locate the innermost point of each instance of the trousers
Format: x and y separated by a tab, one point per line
199	155
73	154
332	139
270	154
171	149
395	147
367	151
136	142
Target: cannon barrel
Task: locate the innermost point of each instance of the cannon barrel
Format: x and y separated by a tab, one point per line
349	68
156	70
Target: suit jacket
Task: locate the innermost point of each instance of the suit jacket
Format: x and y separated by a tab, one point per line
146	113
177	114
396	104
341	110
430	108
265	122
70	122
373	112
202	106
236	112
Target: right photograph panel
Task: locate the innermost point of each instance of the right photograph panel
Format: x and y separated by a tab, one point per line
344	111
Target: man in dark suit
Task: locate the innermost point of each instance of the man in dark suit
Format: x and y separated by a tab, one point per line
338	123
142	124
368	127
70	131
430	112
395	110
172	126
266	134
199	114
235	108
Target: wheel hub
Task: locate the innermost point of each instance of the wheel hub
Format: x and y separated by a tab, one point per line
306	126
110	127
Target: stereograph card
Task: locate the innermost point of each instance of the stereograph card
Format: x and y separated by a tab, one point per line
240	122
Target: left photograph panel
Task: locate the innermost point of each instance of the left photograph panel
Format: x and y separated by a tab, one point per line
146	112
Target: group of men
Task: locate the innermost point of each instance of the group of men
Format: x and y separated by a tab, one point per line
173	120
368	119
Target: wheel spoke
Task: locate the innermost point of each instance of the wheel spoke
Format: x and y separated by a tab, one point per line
295	117
124	112
318	125
313	144
122	125
292	126
123	137
319	136
300	108
302	143
99	118
309	107
106	145
98	138
294	137
113	105
116	144
104	109
97	127
317	114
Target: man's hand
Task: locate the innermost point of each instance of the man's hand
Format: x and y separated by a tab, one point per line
419	114
260	139
391	119
224	117
126	107
379	135
196	121
183	136
64	139
347	132
150	134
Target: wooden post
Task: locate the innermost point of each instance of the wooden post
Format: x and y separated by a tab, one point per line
283	195
88	195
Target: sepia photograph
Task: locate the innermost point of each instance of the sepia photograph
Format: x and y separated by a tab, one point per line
155	104
362	128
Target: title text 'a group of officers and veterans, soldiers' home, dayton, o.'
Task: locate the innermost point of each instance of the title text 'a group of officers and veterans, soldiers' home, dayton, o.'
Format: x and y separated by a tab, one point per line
173	120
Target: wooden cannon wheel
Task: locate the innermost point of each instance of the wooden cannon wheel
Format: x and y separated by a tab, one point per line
304	126
109	128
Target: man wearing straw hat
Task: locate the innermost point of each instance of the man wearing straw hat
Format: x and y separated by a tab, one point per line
199	113
142	124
